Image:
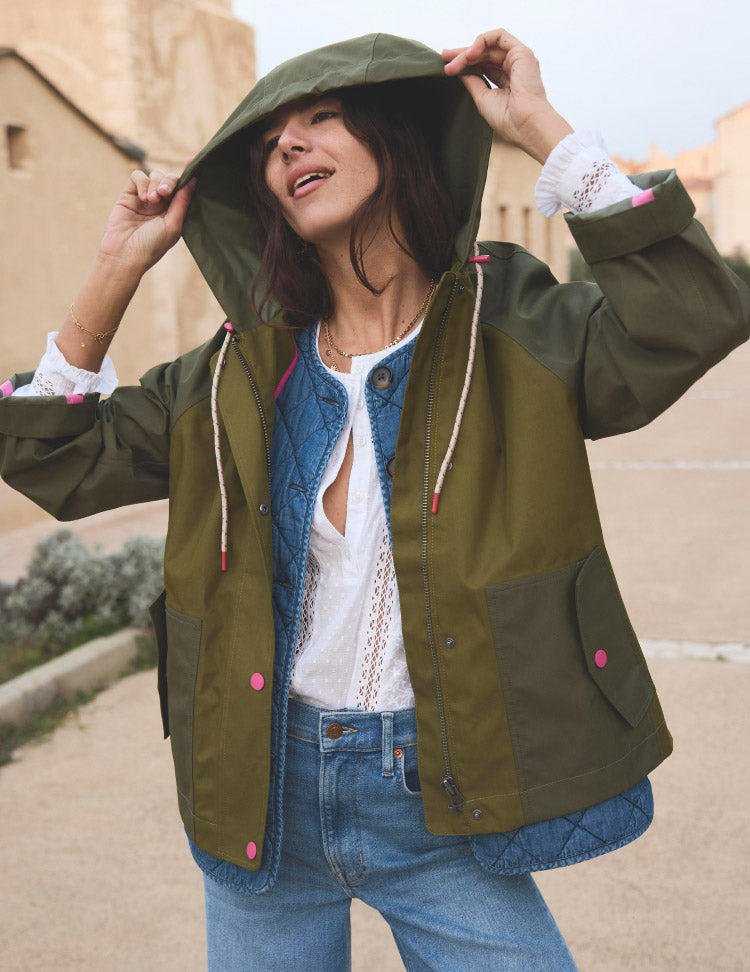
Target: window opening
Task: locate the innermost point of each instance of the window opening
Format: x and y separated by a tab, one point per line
17	141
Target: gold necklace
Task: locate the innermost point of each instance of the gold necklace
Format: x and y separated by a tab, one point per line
355	354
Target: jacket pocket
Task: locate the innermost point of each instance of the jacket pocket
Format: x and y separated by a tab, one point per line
179	638
613	655
569	714
158	614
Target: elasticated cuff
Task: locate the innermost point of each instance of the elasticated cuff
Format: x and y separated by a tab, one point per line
662	210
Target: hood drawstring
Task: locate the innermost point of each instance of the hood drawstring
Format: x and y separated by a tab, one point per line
478	259
217	441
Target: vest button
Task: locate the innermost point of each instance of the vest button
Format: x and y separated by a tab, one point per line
335	730
389	466
381	377
263	509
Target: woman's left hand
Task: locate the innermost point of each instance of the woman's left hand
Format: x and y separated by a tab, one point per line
516	107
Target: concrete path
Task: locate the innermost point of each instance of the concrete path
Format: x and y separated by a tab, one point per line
95	873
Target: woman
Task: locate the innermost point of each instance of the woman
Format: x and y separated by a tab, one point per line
398	550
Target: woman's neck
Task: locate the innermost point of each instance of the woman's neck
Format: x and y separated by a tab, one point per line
365	322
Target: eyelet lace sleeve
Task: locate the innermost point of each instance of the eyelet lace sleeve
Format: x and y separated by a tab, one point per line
580	176
55	376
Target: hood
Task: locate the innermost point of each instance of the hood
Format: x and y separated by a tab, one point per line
221	228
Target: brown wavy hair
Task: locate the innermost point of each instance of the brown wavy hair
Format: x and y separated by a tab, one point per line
398	122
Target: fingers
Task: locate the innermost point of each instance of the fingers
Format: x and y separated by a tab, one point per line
488	52
154	187
178	207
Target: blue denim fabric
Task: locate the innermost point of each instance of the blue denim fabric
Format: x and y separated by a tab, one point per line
354	828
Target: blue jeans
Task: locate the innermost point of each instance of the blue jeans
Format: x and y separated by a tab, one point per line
354	827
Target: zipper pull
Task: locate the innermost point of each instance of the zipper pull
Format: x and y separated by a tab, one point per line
451	788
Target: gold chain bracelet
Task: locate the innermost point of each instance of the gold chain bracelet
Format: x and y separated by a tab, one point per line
96	335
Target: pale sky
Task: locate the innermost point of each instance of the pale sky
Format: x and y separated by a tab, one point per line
639	72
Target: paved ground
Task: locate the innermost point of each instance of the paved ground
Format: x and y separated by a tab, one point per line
95	875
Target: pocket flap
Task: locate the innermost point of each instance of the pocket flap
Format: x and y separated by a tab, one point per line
610	647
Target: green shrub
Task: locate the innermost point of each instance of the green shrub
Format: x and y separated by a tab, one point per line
71	595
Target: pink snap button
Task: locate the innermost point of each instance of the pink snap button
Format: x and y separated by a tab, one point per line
257	681
252	850
600	658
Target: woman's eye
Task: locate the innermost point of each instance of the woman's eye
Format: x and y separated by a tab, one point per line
324	114
271	144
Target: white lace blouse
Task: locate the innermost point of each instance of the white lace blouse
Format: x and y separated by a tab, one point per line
350	650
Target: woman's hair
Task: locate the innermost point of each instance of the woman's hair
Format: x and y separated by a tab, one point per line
397	122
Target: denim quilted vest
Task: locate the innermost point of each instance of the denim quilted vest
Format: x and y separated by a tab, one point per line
309	417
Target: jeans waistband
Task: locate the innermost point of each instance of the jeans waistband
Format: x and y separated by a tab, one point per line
343	730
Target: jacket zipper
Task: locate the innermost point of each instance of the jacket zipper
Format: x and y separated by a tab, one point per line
261	410
447	782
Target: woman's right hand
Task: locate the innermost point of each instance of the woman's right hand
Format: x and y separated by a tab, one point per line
146	220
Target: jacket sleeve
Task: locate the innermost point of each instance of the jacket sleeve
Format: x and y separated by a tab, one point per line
78	456
664	309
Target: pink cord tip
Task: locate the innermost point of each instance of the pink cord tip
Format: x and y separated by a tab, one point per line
223	560
228	326
435	501
483	258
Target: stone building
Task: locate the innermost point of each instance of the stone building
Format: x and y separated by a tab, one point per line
90	90
732	184
715	175
509	211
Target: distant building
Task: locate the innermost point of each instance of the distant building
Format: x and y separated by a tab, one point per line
509	210
732	233
716	176
89	90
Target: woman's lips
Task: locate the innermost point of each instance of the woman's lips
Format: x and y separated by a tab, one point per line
305	182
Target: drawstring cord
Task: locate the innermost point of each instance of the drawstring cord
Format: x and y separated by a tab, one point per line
217	442
477	260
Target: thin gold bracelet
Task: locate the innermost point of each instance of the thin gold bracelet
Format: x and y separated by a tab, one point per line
97	336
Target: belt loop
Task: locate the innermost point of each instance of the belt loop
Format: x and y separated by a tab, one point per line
387	718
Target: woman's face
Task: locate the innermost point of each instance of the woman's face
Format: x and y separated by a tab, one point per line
317	170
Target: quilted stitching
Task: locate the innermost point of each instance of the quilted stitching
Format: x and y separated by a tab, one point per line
384	408
569	839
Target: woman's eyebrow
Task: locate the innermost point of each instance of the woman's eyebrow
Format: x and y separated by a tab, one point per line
275	118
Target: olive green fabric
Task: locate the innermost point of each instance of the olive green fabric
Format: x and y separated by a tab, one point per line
506	593
221	229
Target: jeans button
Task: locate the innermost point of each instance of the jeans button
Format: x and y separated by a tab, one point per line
335	730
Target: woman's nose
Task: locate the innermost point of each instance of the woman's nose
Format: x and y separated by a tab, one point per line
292	140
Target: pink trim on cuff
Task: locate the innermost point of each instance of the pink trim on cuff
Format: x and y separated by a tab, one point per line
74	399
6	389
287	373
483	258
641	198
